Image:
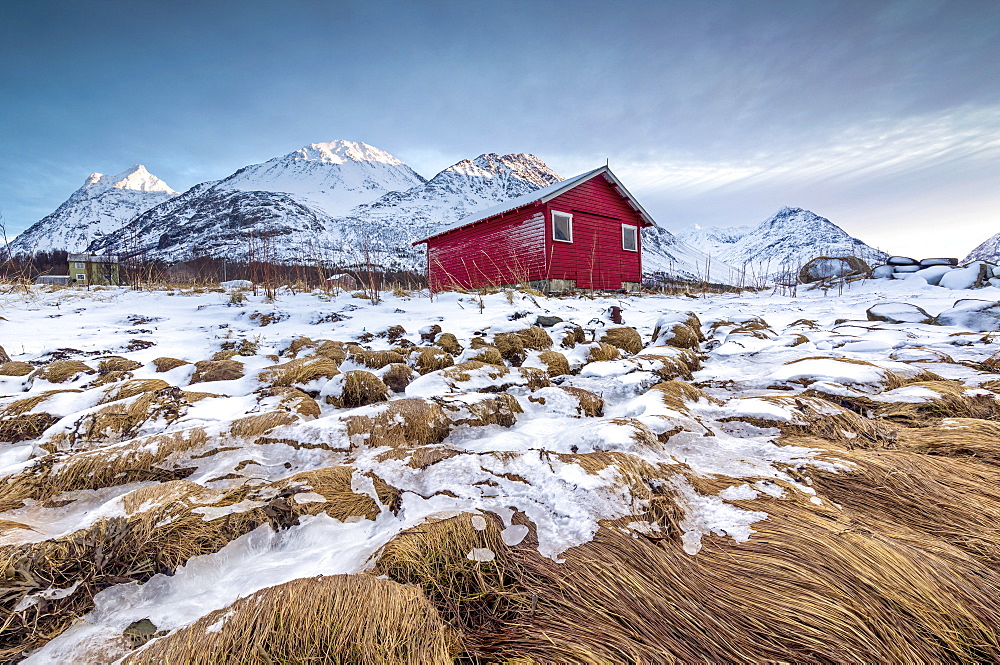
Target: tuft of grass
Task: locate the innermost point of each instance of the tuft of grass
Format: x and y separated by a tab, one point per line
60	371
430	359
359	388
167	364
556	363
217	370
625	338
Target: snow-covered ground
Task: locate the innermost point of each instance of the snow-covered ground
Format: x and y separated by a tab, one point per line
757	347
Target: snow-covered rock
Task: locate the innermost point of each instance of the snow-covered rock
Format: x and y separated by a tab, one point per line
898	312
976	315
965	278
101	206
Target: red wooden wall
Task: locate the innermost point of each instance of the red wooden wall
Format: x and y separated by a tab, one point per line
518	246
595	258
504	250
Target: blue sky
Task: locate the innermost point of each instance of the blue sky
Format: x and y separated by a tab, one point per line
882	116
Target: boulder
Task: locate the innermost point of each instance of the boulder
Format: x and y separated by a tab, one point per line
939	262
900	270
933	274
547	321
902	261
825	267
883	272
971	277
898	312
975	315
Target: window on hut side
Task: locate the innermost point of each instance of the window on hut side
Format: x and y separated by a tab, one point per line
630	241
562	227
80	265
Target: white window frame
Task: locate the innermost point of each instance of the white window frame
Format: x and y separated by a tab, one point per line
80	264
635	237
570	218
81	278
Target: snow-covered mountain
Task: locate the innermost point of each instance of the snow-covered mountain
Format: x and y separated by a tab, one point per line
781	243
988	250
102	205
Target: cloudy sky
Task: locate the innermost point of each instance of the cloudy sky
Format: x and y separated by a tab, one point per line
881	116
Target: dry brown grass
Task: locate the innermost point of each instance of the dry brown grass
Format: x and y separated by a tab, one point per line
626	338
343	619
294	400
297	346
430	359
167	364
829	421
376	359
15	368
217	370
335	351
488	354
359	388
535	337
300	371
16	424
677	395
591	405
124	419
258	424
952	403
601	351
398	376
955	437
498	409
510	346
132	388
60	371
403	423
117	364
555	363
449	343
671	367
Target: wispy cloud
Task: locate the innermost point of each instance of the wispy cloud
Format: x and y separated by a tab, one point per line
878	149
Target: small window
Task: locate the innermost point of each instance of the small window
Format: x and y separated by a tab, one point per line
562	227
81	265
630	242
80	278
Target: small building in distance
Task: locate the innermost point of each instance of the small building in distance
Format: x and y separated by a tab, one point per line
90	269
581	233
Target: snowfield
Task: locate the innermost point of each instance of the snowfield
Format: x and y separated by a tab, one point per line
230	444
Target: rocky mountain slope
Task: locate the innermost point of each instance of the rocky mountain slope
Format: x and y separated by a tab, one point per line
989	250
781	243
102	205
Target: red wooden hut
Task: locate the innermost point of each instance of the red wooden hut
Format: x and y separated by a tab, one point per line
581	233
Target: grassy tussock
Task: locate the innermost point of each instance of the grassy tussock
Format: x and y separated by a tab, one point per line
476	597
297	346
499	409
217	370
167	364
601	351
109	378
676	395
419	458
345	619
300	371
430	359
830	421
376	359
488	354
627	339
333	483
124	419
591	405
956	437
14	368
510	346
448	343
144	458
398	376
294	400
60	371
132	388
404	423
556	363
259	424
117	364
16	424
334	351
890	380
359	388
535	337
572	337
672	367
952	403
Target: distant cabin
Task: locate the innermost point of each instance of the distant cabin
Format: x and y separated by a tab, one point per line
87	269
581	233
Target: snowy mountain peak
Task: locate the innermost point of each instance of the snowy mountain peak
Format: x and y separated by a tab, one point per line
521	166
339	152
136	178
